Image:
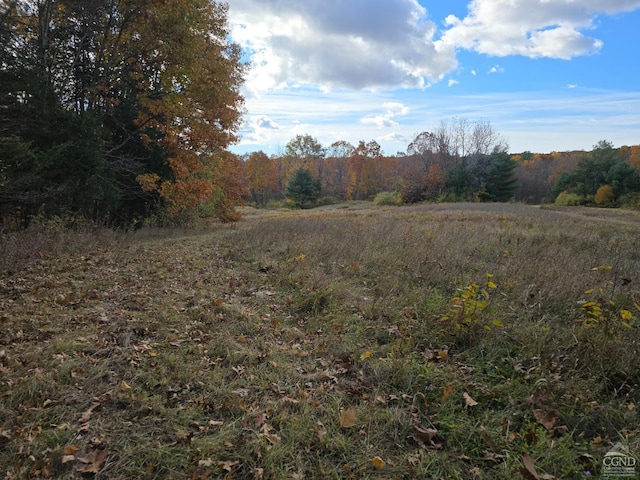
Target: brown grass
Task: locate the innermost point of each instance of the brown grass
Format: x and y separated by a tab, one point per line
236	352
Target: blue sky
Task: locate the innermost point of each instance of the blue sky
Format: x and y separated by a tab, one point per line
549	75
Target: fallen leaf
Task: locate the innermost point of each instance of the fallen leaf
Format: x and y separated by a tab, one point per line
71	450
322	431
378	462
124	386
546	419
92	462
424	435
271	437
348	417
365	355
528	470
443	354
228	465
468	401
68	458
487	439
86	415
447	391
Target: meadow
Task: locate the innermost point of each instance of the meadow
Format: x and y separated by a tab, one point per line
450	341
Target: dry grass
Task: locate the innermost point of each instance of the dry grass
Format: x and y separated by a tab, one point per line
306	344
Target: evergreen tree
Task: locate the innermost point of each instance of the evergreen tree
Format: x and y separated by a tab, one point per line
303	190
499	183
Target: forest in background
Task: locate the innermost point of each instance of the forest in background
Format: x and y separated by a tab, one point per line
121	114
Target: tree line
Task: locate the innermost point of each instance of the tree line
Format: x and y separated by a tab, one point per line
458	161
121	112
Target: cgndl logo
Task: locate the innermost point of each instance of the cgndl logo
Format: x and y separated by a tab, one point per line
618	462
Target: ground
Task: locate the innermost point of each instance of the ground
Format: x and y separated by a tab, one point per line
432	341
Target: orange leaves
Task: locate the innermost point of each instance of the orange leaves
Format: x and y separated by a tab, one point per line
446	392
348	418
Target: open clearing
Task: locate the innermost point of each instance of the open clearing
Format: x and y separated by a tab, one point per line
434	341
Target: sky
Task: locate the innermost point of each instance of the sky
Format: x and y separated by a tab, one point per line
548	75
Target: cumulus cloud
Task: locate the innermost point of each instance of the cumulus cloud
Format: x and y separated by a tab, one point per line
543	28
385	44
357	44
386	120
258	128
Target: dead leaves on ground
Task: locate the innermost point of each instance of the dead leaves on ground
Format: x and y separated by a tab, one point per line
348	417
529	472
89	463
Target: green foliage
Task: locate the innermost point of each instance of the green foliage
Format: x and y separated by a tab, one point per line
303	190
304	146
630	200
470	310
569	199
498	181
604	165
386	198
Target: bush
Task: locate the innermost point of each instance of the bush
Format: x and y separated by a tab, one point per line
387	198
570	199
604	195
630	200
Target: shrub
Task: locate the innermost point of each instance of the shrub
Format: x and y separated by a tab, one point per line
630	200
604	195
387	198
570	199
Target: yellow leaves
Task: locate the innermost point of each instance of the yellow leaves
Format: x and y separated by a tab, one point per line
602	267
348	418
378	462
124	386
626	315
492	285
300	258
149	182
365	355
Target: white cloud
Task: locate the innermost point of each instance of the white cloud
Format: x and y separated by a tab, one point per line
452	82
386	120
379	121
496	69
373	44
572	85
546	28
359	44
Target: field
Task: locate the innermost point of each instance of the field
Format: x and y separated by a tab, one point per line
463	341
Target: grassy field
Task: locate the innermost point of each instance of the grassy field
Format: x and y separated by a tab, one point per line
464	341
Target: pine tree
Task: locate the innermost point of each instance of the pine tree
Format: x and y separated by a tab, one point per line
303	190
500	183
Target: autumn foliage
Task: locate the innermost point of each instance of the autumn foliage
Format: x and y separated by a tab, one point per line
131	100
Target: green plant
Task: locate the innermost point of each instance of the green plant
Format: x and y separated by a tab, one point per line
569	199
606	315
470	310
387	198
